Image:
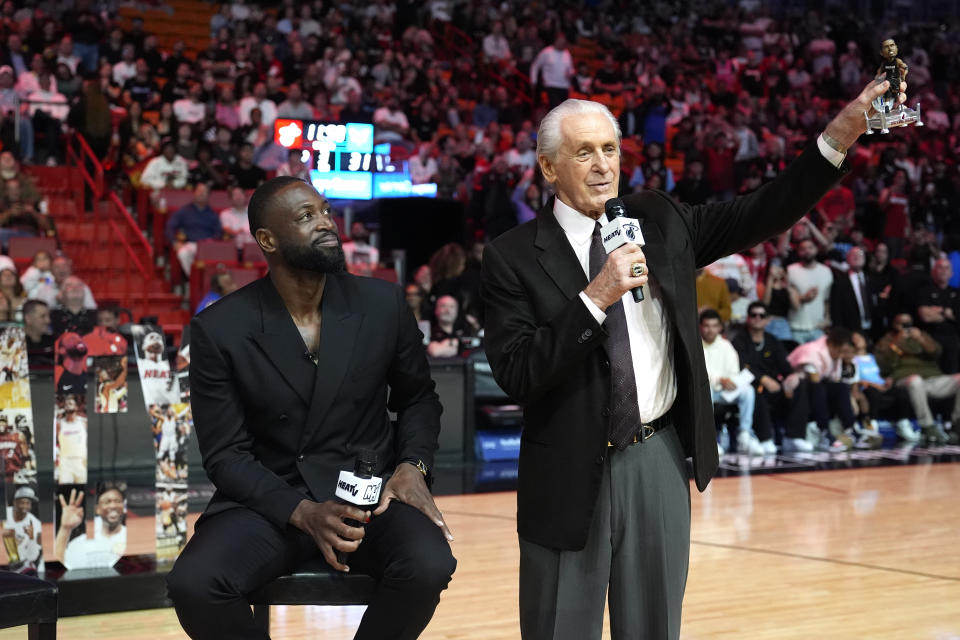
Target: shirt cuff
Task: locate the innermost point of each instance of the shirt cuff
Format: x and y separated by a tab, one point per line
831	155
594	310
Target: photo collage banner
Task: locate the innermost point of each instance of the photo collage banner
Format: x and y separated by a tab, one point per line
21	523
167	399
73	544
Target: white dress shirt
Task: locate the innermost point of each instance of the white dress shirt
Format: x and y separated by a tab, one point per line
649	328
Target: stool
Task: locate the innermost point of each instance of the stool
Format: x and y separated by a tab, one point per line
314	582
30	601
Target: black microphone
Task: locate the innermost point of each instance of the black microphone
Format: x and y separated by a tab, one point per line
621	230
360	489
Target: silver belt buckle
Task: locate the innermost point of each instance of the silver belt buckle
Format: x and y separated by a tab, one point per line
646	431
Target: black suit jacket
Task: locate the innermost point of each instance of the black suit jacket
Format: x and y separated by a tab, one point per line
547	351
624	121
273	427
844	311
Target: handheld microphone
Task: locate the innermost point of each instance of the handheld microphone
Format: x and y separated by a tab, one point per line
619	231
360	489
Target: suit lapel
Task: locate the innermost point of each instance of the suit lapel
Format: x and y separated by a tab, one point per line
557	257
281	342
338	335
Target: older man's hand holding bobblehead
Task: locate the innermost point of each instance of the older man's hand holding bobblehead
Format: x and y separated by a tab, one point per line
615	392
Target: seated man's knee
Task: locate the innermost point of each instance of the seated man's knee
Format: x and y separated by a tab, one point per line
427	572
914	382
190	584
182	584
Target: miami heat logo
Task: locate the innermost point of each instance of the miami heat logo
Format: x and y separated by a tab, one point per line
288	133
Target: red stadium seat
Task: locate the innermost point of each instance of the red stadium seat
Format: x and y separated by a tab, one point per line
390	275
26	247
216	251
252	253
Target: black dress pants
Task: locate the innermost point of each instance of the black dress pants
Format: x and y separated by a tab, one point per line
828	399
234	552
771	408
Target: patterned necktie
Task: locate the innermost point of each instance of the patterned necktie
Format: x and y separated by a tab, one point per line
624	407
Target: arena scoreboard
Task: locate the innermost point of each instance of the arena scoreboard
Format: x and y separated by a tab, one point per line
344	161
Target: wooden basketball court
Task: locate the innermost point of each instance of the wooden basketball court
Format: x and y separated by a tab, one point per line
861	553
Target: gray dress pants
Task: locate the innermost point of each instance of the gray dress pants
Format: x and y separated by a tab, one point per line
638	546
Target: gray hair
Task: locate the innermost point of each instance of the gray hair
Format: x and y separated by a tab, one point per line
549	137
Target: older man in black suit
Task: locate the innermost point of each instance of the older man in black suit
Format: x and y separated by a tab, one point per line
615	392
289	380
851	305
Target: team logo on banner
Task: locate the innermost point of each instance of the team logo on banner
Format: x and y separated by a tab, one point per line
21	526
171	422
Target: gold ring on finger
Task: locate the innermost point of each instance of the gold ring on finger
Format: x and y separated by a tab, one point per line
638	269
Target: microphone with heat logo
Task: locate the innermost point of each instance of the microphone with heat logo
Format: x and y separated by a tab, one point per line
619	231
360	488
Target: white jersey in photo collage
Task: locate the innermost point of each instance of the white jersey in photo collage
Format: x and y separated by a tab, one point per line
18	456
171	422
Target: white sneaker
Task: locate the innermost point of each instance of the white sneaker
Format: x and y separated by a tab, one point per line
769	447
797	445
835	427
831	446
869	440
813	433
747	444
905	431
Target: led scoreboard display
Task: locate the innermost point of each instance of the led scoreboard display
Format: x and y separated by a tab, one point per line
345	163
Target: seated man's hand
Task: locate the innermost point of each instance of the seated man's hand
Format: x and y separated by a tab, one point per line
324	522
407	485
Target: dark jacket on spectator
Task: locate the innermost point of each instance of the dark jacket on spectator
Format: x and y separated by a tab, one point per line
248	177
62	320
196	224
631	126
771	360
844	310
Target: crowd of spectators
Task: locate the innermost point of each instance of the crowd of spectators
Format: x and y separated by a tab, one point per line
713	99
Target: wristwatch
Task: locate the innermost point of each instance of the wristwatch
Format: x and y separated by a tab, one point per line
833	143
421	467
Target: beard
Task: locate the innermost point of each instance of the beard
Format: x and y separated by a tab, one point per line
313	258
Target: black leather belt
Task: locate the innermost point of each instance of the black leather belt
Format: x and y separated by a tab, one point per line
648	430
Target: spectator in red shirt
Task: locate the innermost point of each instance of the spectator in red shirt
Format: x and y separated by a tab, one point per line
719	161
895	206
838	207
